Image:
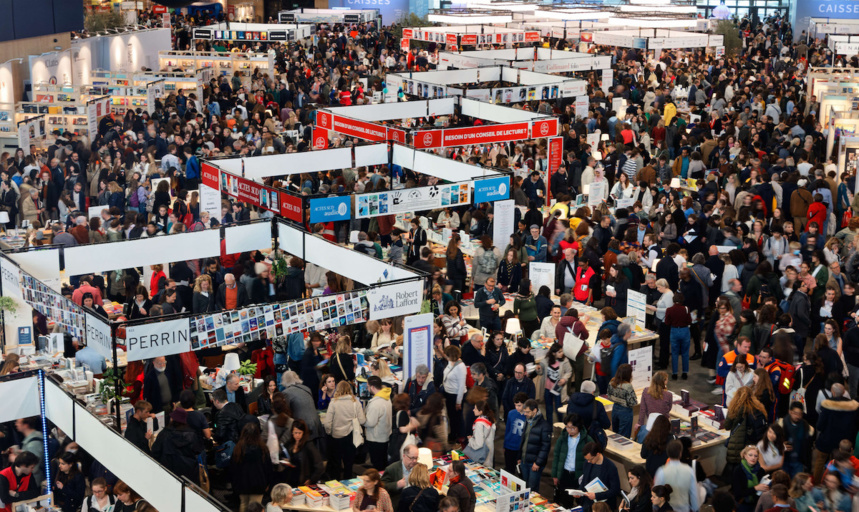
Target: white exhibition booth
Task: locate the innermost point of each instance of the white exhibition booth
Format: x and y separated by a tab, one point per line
36	394
841	124
539	60
821	27
844	44
508	124
253	32
306	15
470	34
656	38
529	85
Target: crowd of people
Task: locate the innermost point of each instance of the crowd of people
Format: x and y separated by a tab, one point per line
749	273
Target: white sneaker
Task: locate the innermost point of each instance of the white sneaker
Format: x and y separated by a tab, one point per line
718	391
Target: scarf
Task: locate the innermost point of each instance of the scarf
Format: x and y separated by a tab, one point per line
751	479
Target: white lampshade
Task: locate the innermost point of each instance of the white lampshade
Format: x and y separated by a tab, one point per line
425	457
231	362
513	326
4	217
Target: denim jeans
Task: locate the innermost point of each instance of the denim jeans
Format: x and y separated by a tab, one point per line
621	420
680	338
553	403
532	478
642	433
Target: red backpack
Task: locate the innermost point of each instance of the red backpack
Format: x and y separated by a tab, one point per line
788	373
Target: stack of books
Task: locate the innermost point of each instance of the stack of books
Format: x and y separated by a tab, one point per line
298	497
341	500
315	497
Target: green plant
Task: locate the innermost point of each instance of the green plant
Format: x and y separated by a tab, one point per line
248	368
412	20
279	266
731	35
100	21
107	386
8	304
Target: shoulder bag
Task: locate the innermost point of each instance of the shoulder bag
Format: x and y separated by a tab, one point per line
357	429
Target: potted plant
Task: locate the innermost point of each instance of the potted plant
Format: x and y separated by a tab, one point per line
248	369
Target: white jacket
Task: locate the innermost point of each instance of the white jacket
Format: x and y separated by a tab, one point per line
378	417
454	380
484	436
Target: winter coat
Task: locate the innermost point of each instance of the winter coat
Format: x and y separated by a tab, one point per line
537	444
561	450
303	405
177	448
341	412
378	417
250	473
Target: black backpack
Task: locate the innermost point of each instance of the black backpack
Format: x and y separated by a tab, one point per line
595	431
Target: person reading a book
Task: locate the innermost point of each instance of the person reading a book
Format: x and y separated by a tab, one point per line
569	460
600	479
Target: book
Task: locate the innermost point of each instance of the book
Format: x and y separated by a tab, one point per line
595	486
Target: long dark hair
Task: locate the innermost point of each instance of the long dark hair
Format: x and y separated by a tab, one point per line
551	354
483	405
657	438
779	439
644	479
249	437
302	426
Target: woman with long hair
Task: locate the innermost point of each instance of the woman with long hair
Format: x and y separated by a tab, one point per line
204	295
307	466
327	387
640	483
745	413
616	287
556	372
656	400
128	499
433	428
250	466
456	270
338	425
763	391
653	448
481	444
622	394
809	377
800	492
69	486
509	273
771	449
456	328
371	494
269	389
739	376
419	495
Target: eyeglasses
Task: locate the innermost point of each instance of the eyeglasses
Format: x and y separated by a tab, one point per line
411	458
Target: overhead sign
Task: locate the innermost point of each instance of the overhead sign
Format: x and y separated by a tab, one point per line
290	207
544	128
210	175
395	300
251	192
492	189
98	336
485	134
157	339
329	209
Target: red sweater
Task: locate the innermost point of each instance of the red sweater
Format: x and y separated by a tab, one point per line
678	316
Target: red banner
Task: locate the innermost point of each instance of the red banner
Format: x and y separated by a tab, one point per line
408	33
586	37
250	192
397	135
485	134
361	129
469	39
555	157
209	175
320	138
290	207
424	139
404	44
547	128
450	39
159	9
323	120
532	37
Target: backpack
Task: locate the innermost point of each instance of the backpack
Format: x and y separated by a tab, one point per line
595	431
134	199
764	291
798	395
788	375
756	427
366	249
487	263
606	354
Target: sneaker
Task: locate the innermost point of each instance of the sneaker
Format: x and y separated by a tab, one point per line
718	391
711	380
685	376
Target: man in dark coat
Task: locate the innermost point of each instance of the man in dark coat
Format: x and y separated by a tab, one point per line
536	444
235	392
231	295
162	384
667	268
837	422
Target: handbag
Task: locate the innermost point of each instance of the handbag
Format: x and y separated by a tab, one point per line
204	477
415	500
357	429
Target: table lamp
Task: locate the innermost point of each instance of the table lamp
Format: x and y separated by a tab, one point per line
425	457
231	363
513	328
4	218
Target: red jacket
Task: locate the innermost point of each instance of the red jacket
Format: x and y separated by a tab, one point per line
22	486
816	213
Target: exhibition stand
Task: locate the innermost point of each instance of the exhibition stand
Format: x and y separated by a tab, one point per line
220	63
841	124
500	123
818	28
539	60
655	38
844	44
38	394
454	37
516	85
848	156
253	32
331	16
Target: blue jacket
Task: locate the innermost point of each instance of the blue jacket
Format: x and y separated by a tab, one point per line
515	428
418	399
295	346
619	356
583	405
537	248
611	325
192	168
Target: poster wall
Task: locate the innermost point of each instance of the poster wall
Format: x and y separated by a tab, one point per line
30	131
251	192
412	199
503	222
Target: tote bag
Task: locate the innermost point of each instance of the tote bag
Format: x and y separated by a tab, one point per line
357	429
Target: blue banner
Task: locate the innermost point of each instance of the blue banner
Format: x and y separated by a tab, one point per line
329	209
391	10
493	189
827	9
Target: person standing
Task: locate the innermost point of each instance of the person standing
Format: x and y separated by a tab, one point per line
536	444
598	466
571	323
681	478
453	386
678	319
338	424
378	422
488	301
568	461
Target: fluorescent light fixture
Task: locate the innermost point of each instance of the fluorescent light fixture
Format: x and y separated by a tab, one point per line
465	19
653	22
575	14
666	9
501	6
